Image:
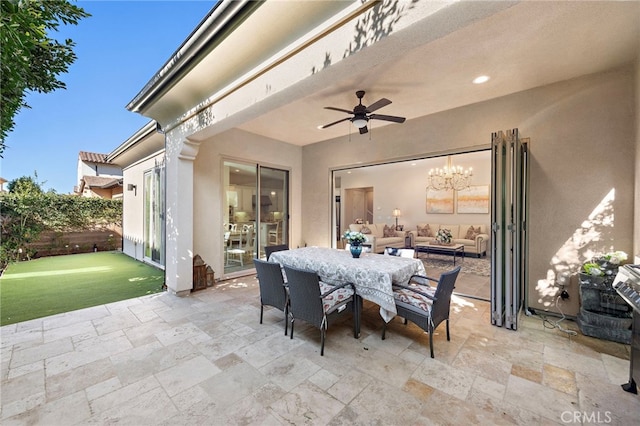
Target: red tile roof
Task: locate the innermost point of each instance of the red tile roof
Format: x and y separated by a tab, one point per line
92	157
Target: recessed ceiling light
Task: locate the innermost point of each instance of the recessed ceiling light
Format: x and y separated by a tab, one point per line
481	79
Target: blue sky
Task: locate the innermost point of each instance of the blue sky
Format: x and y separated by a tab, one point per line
119	48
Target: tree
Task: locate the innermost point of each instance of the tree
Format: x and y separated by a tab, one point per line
25	185
29	59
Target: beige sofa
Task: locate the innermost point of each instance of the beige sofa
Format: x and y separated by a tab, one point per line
476	246
376	236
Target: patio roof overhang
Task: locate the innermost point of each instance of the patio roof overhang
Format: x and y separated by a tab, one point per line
421	55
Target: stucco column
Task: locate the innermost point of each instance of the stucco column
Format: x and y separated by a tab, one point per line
179	216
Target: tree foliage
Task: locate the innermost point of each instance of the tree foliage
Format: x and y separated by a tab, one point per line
25	215
25	185
30	60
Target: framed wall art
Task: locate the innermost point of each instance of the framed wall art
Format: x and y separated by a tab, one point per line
475	199
440	201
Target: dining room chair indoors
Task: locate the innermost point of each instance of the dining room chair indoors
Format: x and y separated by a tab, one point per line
314	301
273	290
401	252
425	305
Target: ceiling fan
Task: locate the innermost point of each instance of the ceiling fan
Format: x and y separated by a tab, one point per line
362	114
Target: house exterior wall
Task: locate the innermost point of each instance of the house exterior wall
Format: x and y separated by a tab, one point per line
583	159
133	206
636	234
209	191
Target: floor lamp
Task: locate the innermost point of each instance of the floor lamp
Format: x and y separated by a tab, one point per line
396	213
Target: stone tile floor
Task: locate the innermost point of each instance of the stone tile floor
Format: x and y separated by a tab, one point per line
205	359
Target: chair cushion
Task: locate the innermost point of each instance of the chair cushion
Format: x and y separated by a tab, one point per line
335	298
415	299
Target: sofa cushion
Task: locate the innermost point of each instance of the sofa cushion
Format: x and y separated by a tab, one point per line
388	231
425	231
472	233
365	229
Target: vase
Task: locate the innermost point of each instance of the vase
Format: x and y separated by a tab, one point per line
355	250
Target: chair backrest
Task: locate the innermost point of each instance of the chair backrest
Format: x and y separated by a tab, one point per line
304	295
249	241
270	249
446	284
392	251
226	237
272	291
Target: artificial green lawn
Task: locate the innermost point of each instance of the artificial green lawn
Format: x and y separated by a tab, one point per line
51	285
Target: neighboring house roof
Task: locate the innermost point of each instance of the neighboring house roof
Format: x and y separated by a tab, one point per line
101	182
92	157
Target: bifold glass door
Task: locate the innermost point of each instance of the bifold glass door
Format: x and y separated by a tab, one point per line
510	172
255	213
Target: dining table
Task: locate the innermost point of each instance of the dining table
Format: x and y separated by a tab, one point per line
372	274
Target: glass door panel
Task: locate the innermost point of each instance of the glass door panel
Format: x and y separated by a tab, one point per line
509	216
240	214
274	208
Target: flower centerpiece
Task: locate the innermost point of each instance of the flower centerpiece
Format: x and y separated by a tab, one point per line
354	238
444	237
602	269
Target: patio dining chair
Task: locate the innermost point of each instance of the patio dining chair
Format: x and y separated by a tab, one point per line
424	305
273	290
270	249
314	301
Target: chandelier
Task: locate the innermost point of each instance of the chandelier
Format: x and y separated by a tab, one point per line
450	177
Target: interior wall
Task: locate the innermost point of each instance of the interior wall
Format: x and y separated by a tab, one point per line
582	135
210	192
404	186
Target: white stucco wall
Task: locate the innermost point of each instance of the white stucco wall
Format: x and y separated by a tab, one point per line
582	148
636	234
209	191
133	206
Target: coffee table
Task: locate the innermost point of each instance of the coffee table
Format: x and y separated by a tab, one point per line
453	249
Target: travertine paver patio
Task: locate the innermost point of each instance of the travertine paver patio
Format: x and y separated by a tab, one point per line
205	359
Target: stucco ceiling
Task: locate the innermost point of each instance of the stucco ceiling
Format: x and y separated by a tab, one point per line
521	47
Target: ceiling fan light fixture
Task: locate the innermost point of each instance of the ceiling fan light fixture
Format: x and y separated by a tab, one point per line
359	122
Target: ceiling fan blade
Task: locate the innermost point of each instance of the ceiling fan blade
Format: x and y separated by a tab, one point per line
379	104
363	130
335	122
388	118
340	109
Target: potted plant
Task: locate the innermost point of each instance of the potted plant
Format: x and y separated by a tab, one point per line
602	269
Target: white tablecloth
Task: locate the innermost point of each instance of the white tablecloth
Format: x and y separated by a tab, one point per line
372	274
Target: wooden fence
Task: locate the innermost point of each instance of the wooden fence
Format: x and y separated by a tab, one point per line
58	243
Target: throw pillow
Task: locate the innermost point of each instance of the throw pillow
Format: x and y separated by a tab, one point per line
472	233
424	231
365	230
388	231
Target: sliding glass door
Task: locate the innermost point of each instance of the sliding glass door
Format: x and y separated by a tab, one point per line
154	215
255	213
